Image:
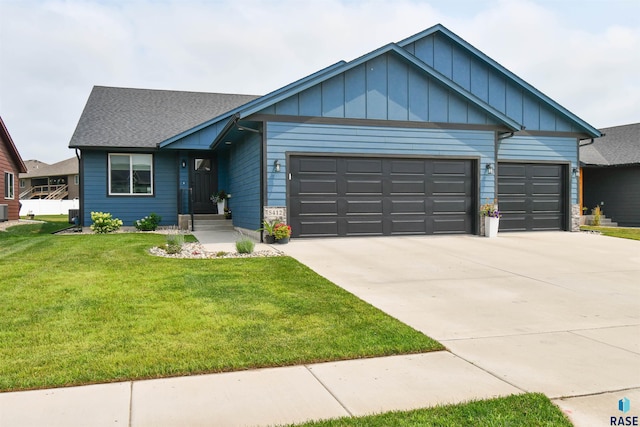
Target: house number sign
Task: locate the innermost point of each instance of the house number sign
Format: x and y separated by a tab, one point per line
272	213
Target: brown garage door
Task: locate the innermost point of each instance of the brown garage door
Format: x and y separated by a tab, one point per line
531	196
356	196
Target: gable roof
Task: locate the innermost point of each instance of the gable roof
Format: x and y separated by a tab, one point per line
37	169
141	118
11	147
441	29
223	122
619	145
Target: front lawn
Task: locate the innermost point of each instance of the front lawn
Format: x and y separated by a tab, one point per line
80	309
533	409
625	233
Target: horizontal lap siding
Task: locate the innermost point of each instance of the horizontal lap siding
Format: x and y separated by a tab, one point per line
542	149
306	138
130	208
7	165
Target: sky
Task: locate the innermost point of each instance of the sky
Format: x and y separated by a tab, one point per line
584	54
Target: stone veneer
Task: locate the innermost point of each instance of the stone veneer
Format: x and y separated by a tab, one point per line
575	217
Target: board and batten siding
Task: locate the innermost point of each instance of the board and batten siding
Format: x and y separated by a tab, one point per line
130	208
283	138
384	88
535	149
488	83
243	166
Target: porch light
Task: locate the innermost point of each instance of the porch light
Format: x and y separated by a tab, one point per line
575	172
489	168
184	164
276	165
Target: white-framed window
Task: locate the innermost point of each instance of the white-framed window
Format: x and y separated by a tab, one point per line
9	185
76	179
130	174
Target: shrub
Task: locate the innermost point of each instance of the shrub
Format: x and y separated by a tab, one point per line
174	243
148	223
245	245
597	216
104	223
282	231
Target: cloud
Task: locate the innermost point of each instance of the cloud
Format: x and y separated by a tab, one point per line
57	50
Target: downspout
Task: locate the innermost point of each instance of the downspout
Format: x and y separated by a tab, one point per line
81	189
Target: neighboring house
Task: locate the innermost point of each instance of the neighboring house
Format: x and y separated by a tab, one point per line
11	165
611	174
408	139
55	182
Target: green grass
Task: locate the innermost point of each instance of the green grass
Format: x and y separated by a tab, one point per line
80	309
523	410
624	233
52	224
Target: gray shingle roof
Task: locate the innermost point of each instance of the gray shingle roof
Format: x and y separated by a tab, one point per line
37	169
142	118
619	146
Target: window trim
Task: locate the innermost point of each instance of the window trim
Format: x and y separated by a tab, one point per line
9	185
131	183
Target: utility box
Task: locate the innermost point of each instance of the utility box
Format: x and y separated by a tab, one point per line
74	213
4	213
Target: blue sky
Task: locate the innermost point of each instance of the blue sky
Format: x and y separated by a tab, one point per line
584	54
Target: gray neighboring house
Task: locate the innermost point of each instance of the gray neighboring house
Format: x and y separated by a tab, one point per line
611	174
55	182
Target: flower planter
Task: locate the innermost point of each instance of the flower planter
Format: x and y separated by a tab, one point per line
282	241
491	225
221	207
270	239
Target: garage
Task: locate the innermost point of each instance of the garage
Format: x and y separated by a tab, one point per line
532	196
339	196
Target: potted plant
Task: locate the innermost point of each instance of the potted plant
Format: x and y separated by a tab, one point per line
227	213
491	216
219	198
269	228
282	232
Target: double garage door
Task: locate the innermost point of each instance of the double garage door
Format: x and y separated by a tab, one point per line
356	196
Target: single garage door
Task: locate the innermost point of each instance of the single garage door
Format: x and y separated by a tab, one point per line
356	196
531	196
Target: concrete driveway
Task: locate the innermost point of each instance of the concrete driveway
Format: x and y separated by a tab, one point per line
551	312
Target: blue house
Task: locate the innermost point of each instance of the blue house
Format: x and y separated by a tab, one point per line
411	138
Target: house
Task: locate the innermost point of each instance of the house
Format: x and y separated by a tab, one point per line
53	182
410	138
610	174
11	165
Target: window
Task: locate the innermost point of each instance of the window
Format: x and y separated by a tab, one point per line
130	174
76	179
23	183
8	185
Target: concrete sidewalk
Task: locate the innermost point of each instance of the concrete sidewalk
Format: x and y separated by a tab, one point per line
260	397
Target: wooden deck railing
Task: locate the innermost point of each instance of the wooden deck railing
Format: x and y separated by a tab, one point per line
51	192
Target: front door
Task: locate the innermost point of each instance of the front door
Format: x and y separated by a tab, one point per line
204	183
